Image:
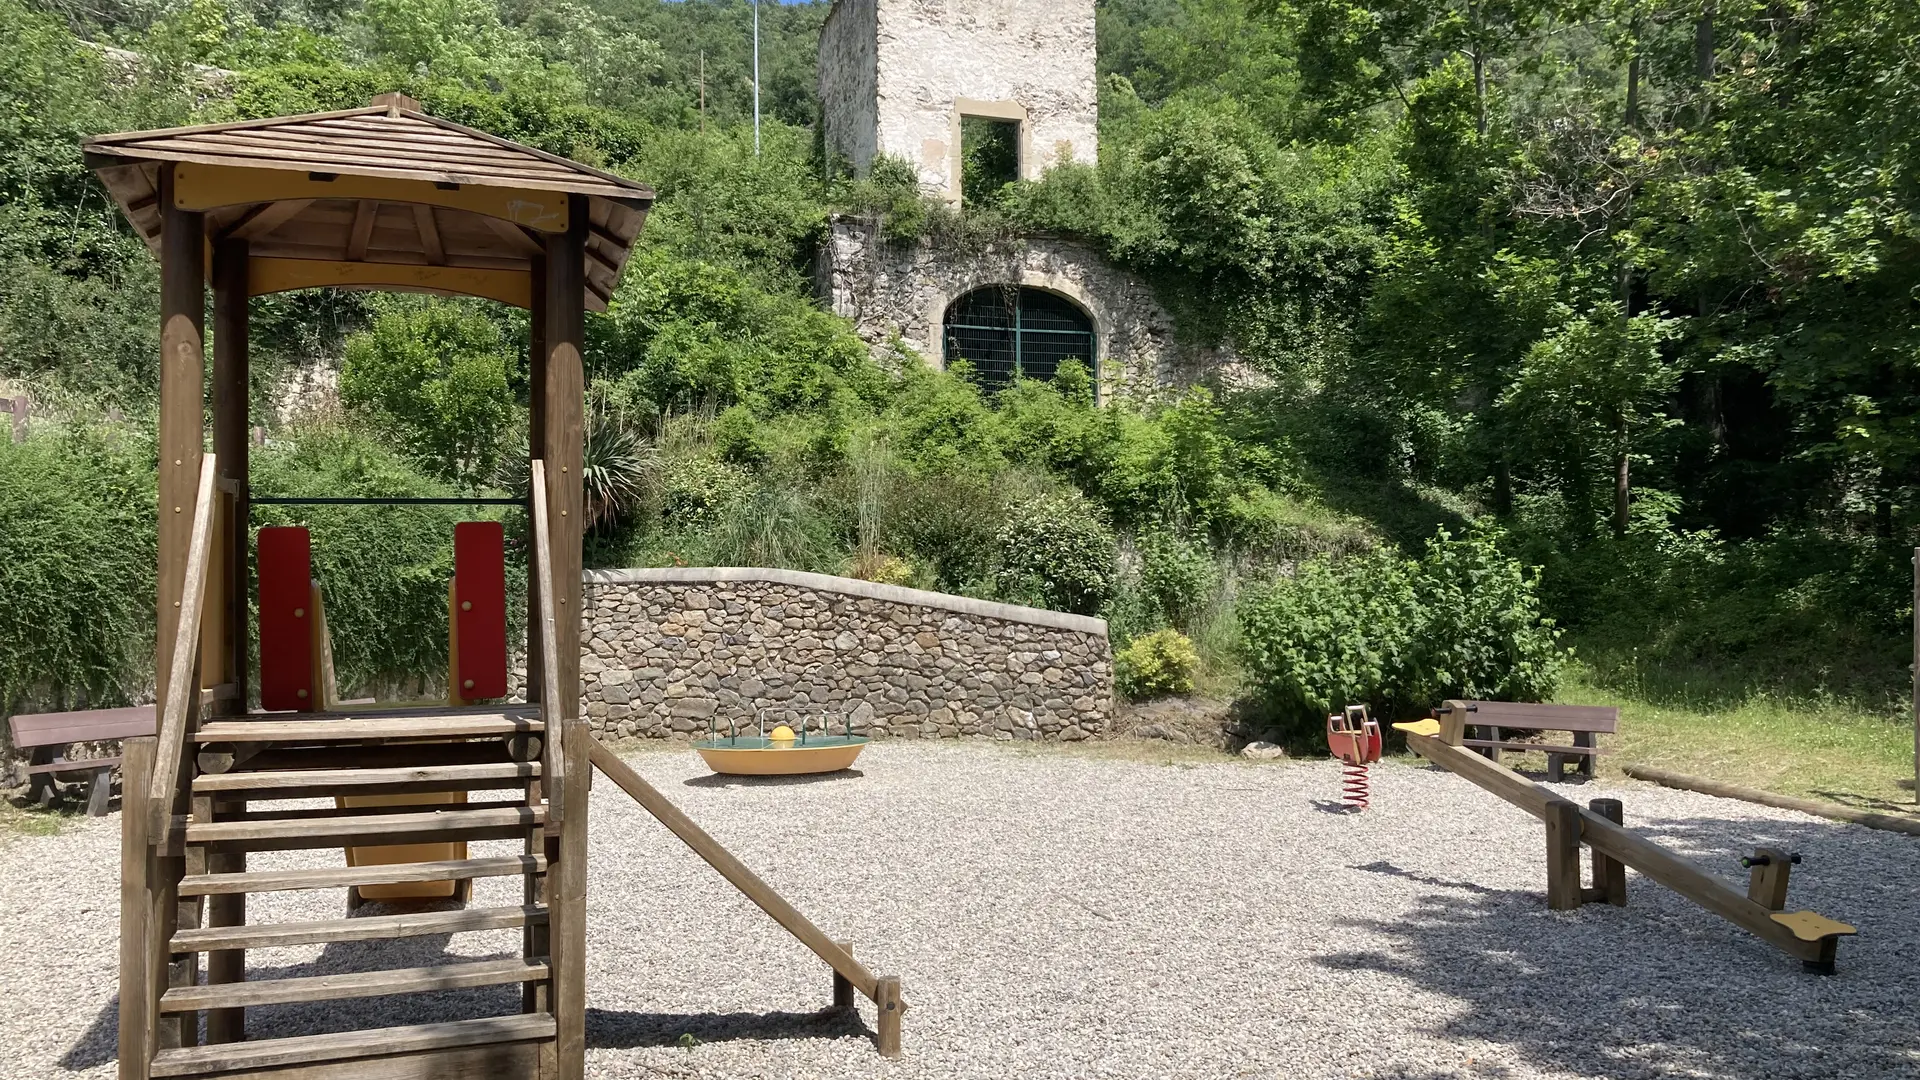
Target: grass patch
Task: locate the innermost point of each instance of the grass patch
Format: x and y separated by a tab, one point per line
19	821
1821	749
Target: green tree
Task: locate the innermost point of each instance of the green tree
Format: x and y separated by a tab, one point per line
435	373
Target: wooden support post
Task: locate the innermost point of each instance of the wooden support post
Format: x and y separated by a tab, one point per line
568	913
1563	855
136	904
563	409
1453	722
1767	878
224	909
886	1002
19	407
842	989
1916	674
1609	874
228	577
536	448
182	413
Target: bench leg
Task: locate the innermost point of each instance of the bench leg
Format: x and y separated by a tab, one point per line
1556	768
40	787
101	794
1493	752
1584	740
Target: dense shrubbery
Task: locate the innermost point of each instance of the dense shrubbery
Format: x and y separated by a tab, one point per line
1398	634
1707	445
1155	664
76	568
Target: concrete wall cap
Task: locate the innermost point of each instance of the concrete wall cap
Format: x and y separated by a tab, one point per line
869	590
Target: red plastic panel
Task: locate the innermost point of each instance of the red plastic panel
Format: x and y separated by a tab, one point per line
285	559
480	587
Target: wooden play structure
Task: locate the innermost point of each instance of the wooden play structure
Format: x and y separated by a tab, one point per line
1810	937
382	197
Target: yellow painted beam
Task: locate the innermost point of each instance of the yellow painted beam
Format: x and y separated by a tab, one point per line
205	187
268	275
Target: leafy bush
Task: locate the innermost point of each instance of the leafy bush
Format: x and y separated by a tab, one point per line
697	490
1334	633
434	374
1151	665
1399	634
1177	574
1055	551
76	569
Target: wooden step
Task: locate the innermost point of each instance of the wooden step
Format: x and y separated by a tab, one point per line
353	984
335	877
369	928
350	1045
339	730
305	783
344	829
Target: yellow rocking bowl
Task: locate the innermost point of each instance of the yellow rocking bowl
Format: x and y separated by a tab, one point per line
754	756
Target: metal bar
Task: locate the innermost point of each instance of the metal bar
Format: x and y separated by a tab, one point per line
385	500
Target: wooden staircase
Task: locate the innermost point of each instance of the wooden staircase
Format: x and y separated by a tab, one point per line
194	905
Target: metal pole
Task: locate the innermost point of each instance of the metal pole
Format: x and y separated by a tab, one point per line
756	78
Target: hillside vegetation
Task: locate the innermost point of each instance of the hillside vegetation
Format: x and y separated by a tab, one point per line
1587	330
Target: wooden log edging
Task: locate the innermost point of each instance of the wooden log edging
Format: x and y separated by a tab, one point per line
1899	823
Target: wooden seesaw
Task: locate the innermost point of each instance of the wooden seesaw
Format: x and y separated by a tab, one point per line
1811	937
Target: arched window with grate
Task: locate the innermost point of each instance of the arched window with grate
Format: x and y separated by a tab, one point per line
1006	331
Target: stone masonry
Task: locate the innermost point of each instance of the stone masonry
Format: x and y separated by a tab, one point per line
896	292
896	76
667	652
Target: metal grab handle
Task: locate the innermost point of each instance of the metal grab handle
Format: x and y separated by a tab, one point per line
1748	862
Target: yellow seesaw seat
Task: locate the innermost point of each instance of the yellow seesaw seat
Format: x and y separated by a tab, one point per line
1420	727
1811	926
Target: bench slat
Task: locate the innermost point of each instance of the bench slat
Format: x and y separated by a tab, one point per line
87	725
88	765
1534	717
1544	748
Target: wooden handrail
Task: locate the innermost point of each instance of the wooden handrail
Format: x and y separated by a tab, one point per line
552	760
734	871
184	672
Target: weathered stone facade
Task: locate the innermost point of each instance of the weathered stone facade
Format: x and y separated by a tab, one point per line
896	76
666	652
902	292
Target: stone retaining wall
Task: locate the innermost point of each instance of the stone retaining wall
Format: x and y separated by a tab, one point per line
667	651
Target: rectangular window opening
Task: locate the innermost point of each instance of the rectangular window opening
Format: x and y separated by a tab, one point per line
989	158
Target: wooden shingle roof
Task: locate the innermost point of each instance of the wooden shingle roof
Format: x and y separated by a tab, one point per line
381	197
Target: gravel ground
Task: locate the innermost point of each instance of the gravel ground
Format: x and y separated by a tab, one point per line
1058	915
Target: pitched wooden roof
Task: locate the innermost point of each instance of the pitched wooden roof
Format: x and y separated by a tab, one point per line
382	197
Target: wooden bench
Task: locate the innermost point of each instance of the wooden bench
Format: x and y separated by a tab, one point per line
46	737
1491	725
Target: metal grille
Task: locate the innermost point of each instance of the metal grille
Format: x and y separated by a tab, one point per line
1007	332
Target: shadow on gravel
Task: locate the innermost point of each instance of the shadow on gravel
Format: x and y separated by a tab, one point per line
1662	987
100	1043
722	780
610	1030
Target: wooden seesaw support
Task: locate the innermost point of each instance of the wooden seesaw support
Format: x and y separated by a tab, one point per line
1810	937
848	974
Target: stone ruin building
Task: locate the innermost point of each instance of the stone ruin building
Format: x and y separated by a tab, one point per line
1011	84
